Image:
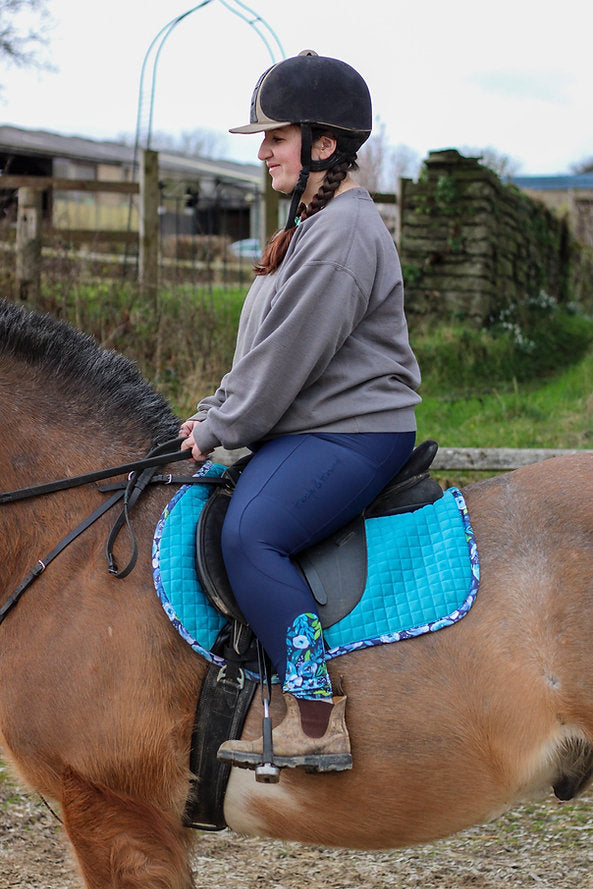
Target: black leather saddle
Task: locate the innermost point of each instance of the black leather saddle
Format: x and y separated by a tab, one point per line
334	569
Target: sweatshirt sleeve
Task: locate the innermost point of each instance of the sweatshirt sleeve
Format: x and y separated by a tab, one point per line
316	306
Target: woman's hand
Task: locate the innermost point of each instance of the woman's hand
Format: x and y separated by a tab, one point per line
187	428
186	431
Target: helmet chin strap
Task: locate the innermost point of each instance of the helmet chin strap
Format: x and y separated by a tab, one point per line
306	162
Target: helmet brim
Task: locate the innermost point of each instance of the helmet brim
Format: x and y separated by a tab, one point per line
261	127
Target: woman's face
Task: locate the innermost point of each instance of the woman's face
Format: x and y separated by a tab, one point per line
281	151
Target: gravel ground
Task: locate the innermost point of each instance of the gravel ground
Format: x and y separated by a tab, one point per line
545	845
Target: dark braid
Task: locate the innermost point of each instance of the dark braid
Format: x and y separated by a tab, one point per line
331	182
278	245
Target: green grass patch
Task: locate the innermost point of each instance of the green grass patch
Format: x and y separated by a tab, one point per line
554	413
546	404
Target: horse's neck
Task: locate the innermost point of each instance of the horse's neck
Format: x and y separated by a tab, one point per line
36	449
44	441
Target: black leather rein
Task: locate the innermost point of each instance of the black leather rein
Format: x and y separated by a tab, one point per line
77	480
141	474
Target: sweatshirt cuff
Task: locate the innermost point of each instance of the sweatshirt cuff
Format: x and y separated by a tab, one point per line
204	438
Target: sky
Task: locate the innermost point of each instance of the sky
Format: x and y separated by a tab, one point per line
516	76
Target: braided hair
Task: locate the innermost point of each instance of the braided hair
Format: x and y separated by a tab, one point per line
278	245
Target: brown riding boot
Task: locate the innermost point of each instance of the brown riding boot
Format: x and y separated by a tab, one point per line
293	746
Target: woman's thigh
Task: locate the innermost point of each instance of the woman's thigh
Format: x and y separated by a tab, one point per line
298	489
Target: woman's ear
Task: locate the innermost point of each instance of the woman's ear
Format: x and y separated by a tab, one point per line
323	148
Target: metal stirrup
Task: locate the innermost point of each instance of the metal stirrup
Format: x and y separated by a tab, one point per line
266	772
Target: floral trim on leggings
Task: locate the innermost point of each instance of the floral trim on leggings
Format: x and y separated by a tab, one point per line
306	671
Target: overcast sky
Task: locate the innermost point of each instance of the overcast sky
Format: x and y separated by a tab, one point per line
516	76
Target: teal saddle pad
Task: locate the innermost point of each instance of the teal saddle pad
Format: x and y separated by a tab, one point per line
422	574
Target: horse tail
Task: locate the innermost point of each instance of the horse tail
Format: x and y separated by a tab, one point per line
575	762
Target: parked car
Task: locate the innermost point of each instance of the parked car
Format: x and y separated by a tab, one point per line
249	248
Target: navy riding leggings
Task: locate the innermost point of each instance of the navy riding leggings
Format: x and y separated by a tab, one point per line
296	490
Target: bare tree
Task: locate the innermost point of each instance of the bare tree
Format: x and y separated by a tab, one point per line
381	164
406	161
372	160
24	28
201	142
583	166
502	164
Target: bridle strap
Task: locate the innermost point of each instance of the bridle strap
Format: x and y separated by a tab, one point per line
42	564
135	487
128	491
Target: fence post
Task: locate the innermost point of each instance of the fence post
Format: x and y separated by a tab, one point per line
28	245
149	224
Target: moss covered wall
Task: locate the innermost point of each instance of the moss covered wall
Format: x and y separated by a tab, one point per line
471	245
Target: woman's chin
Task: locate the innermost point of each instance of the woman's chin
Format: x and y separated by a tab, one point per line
282	189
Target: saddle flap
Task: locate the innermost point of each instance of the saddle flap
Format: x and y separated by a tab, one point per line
337	564
209	560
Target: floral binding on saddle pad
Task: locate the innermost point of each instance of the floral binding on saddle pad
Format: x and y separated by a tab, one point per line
423	574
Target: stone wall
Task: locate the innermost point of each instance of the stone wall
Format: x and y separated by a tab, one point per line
472	246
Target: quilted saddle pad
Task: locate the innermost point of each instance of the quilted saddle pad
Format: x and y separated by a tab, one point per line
423	574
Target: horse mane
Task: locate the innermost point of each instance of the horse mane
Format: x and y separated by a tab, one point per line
83	381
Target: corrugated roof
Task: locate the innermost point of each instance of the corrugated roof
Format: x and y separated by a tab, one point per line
545	183
78	148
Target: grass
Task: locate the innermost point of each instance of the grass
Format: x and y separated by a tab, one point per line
556	412
524	382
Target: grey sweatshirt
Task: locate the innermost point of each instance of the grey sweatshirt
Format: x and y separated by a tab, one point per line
322	344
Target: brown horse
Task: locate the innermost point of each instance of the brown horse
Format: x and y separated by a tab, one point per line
98	691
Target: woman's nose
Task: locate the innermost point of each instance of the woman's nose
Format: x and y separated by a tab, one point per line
264	151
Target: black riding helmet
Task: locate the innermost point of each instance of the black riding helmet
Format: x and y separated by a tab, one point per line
312	90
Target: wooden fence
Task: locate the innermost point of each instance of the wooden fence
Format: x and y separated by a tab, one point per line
496	459
30	190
